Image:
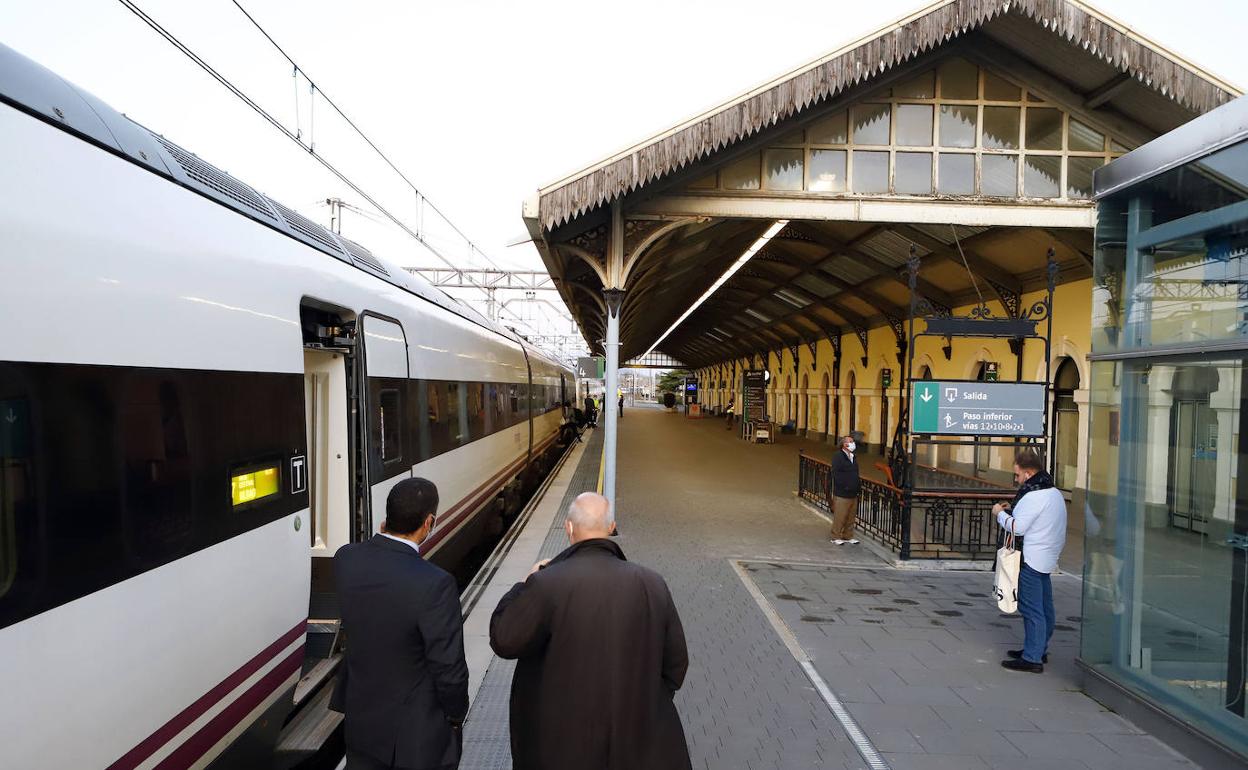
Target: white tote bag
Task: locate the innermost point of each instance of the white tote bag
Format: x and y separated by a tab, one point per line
1005	586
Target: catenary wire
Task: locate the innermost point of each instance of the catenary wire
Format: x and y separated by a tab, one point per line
276	124
317	89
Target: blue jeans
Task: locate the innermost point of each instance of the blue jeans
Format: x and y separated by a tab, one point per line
1035	603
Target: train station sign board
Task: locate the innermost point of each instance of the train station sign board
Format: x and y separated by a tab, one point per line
754	385
591	367
959	408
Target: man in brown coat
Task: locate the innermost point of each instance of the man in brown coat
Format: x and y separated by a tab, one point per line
601	654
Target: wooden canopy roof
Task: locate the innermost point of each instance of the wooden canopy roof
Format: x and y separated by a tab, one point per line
641	222
1154	87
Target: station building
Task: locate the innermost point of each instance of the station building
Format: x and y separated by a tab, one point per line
966	137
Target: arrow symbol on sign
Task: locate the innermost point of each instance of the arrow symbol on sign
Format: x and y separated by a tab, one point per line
927	395
951	394
10	418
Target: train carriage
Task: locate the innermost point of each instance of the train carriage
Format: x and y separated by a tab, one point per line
202	396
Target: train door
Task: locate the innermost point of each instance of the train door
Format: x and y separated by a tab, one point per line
389	456
328	469
328	461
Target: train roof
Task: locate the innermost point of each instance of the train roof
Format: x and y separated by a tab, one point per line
34	89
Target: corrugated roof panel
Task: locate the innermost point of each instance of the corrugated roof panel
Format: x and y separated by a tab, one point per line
848	270
888	247
816	286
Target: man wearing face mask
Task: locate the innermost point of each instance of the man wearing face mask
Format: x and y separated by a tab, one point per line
601	654
845	487
1038	515
404	688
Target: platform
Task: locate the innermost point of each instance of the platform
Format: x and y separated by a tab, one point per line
911	658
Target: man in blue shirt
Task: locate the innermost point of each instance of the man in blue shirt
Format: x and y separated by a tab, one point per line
1039	514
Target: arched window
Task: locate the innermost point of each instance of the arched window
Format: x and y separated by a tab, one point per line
853	404
1065	424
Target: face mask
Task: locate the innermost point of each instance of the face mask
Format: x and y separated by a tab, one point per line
851	446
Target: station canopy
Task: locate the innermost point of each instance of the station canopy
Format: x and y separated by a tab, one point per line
967	132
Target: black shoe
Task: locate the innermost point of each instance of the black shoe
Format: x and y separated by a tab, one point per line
1022	665
1018	655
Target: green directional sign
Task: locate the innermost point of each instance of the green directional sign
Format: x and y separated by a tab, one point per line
926	407
958	408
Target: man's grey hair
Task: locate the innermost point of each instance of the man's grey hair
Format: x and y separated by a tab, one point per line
591	512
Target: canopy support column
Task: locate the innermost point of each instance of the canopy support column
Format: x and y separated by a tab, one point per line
613	293
615	298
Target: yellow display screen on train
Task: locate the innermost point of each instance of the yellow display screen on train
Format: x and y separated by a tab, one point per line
253	485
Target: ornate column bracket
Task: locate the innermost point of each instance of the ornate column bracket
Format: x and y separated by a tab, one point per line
614	299
920	305
1010	299
861	333
899	331
814	355
793	351
590	247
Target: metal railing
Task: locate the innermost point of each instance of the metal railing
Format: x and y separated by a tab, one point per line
935	525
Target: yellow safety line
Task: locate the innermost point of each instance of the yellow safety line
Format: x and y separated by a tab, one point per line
602	465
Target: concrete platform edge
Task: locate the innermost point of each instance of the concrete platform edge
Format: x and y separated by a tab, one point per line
523	554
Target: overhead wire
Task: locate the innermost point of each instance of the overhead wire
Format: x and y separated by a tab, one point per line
224	81
422	200
317	89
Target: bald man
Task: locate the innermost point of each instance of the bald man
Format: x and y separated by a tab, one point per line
601	654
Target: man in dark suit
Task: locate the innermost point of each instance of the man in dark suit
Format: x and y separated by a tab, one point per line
601	654
846	483
404	689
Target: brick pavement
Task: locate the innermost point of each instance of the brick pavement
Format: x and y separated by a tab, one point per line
691	499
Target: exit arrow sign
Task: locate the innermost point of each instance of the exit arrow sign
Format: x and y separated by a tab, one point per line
926	407
973	408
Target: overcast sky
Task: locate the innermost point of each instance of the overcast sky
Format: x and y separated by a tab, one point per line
479	102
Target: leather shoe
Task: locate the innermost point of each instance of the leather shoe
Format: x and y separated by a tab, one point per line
1018	655
1022	665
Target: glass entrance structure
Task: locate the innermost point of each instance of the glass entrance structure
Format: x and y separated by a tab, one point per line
1165	589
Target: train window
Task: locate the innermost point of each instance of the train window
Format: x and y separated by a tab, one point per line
16	480
522	402
476	410
455	414
419	422
513	393
439	418
498	418
391	416
158	510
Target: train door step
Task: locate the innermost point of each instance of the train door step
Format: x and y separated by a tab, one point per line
315	678
310	731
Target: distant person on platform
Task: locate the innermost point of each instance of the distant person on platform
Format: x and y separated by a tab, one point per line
404	689
601	654
591	411
846	483
730	412
1038	515
621	404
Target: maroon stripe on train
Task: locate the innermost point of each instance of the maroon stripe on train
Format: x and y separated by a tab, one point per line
474	498
170	729
210	734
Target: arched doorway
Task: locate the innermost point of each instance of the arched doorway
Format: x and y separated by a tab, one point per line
827	408
1193	447
884	431
786	399
853	405
1065	425
805	399
983	450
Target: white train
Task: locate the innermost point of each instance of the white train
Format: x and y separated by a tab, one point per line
202	396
